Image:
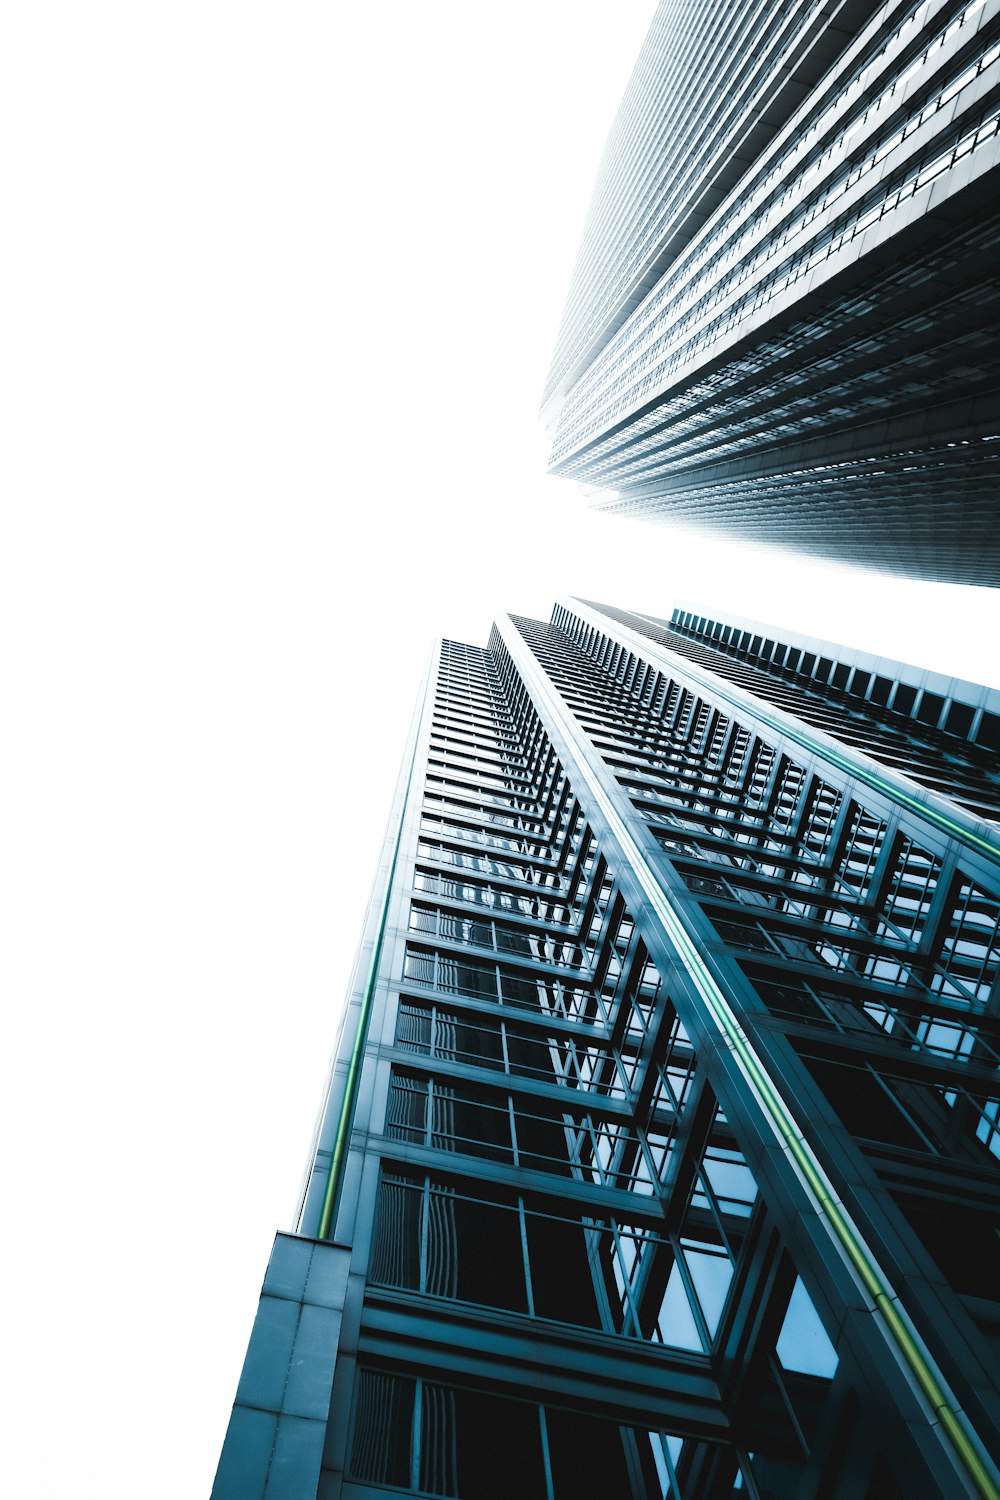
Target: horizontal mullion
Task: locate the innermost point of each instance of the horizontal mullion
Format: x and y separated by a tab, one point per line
625	1380
506	1011
644	1209
586	1101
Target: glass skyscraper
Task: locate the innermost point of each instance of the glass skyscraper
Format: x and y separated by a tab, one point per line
660	1156
783	318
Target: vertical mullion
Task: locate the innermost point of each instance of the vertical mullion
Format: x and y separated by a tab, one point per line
546	1459
525	1258
425	1214
415	1434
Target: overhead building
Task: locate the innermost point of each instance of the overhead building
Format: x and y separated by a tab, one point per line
783	321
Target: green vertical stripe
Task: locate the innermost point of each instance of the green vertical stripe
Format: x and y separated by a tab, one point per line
952	1423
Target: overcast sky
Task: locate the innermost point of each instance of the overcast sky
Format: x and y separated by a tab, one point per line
279	289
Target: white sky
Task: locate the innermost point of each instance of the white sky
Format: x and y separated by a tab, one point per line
280	287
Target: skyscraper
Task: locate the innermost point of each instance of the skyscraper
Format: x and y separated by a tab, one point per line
660	1156
783	318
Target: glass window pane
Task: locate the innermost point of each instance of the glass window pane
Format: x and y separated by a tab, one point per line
803	1345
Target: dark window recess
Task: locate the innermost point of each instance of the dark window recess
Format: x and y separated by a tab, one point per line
448	1034
414	1027
471	1249
929	709
479	1043
792	998
520	991
881	688
881	1485
959	720
989	731
396	1242
531	1055
860	682
841	672
562	1282
777	1471
963	1242
587	1456
517	942
776	1478
467	1125
541	1139
866	1105
497	1448
383	1426
451	1442
905	698
483	1244
809	1397
561	1060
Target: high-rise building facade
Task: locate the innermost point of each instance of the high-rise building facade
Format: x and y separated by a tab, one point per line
783	318
661	1156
